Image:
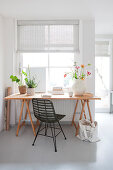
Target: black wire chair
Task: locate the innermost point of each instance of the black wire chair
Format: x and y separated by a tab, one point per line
45	112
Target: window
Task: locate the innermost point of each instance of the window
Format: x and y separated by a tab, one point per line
49	45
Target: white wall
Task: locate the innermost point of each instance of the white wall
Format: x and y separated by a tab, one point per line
1	73
7	66
87	49
88	55
9	59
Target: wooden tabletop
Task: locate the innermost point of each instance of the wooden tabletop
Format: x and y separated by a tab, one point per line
39	95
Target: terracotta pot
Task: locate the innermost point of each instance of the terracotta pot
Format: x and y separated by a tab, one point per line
30	91
22	89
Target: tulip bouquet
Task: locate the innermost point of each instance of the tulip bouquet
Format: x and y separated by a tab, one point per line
79	72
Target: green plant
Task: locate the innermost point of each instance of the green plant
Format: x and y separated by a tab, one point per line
17	80
14	78
30	82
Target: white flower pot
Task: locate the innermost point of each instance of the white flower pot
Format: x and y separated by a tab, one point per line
79	87
30	91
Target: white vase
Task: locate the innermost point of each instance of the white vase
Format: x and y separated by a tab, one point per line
79	87
30	91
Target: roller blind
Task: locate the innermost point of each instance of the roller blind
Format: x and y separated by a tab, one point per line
102	48
48	36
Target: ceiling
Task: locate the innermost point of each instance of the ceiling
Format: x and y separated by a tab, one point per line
100	10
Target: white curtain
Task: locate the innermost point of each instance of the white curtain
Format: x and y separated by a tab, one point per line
48	36
102	48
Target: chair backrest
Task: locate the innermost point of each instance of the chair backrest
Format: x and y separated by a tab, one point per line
43	109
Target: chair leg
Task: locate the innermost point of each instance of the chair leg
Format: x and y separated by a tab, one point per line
46	127
62	130
53	135
37	133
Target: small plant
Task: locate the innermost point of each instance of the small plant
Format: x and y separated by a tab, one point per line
79	72
20	81
30	82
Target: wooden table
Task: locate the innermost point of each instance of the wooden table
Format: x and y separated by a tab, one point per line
25	100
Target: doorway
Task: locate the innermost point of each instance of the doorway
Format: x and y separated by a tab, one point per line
103	74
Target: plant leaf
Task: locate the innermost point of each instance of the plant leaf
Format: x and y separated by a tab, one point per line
24	73
26	80
75	75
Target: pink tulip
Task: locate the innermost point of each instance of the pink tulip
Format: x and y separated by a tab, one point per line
77	67
88	73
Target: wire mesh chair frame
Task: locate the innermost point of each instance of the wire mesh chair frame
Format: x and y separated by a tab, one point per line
45	112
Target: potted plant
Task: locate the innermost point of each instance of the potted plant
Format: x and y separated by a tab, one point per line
31	83
21	85
79	75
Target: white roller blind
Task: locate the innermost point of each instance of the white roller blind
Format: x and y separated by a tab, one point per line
48	36
102	48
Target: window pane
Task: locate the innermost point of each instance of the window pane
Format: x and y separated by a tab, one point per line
61	59
57	77
35	59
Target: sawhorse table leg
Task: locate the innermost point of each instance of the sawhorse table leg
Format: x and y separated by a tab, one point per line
27	113
81	115
83	102
73	123
20	117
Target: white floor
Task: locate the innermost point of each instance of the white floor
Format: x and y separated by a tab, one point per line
18	152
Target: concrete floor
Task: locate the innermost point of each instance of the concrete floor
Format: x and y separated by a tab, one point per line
18	153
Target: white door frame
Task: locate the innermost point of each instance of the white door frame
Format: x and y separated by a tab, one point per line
110	39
